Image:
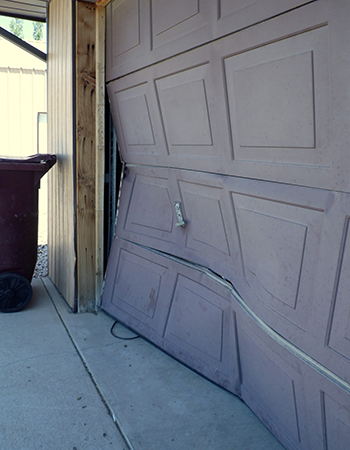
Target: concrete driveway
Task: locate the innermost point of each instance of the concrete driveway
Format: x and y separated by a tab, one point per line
67	383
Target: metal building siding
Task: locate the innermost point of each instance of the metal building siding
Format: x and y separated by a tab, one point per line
23	94
62	257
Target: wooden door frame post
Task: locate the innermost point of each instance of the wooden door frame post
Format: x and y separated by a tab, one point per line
89	158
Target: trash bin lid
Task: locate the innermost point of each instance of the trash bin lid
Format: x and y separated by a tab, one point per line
40	163
28	162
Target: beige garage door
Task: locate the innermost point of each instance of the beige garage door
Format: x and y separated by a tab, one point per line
231	247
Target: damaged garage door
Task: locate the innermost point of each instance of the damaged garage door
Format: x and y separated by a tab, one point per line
231	249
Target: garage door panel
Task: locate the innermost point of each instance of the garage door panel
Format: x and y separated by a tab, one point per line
339	333
138	288
172	21
278	98
271	241
284	234
190	94
184	101
168	322
280	244
325	165
336	415
201	327
272	384
199	322
141	297
237	113
178	308
329	318
292	395
139	131
259	104
328	411
150	209
146	211
208	224
127	31
283	249
137	120
210	235
147	216
142	32
238	14
318	322
283	90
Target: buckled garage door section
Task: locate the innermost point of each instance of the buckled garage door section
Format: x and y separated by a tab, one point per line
231	249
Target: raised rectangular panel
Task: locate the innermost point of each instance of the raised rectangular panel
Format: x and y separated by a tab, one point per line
137	283
136	286
137	123
173	20
278	97
336	422
150	210
238	14
167	13
200	325
205	212
178	308
146	213
274	100
228	7
147	216
196	319
186	112
210	237
280	244
135	119
127	30
269	386
339	334
299	40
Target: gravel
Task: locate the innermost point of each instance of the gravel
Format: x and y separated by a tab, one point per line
41	268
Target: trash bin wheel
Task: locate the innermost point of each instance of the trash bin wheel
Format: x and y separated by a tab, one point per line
15	292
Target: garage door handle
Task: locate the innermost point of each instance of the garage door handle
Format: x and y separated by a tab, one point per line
179	215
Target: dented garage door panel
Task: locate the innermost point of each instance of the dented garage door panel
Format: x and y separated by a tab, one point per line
247	133
147	216
280	246
194	318
176	307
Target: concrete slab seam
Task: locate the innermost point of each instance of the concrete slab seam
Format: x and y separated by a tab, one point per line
94	381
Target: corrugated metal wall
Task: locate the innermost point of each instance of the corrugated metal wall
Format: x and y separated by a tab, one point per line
60	141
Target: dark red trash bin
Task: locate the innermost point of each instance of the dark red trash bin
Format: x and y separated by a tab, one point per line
19	185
